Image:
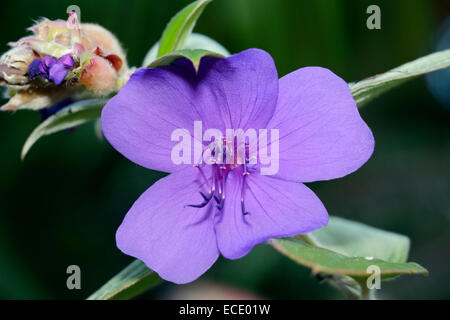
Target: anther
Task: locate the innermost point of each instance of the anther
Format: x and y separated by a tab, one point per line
221	204
244	212
221	201
246	159
243	208
224	153
206	200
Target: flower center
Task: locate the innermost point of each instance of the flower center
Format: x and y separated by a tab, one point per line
220	173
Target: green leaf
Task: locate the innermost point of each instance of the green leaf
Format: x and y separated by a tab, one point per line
180	27
322	260
355	239
194	41
367	89
130	282
348	248
73	115
194	56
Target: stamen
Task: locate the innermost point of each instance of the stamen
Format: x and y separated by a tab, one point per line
219	179
244	212
221	203
206	198
222	187
224	153
213	154
204	176
243	208
246	159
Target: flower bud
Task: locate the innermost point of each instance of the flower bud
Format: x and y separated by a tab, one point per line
14	66
60	60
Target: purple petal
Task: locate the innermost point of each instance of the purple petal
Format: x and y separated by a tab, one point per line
67	61
242	89
34	69
47	63
322	135
277	208
57	73
139	120
176	241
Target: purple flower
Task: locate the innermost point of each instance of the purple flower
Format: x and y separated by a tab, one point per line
46	63
59	70
50	68
34	69
178	231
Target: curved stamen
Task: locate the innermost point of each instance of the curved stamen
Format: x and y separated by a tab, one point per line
219	178
203	176
246	158
221	203
208	197
244	212
206	200
245	173
222	199
224	153
222	187
243	208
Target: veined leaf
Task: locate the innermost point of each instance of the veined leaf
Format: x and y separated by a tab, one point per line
73	115
130	282
194	41
180	27
193	55
367	89
348	248
355	239
322	260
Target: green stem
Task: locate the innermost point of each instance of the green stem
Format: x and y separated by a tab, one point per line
366	293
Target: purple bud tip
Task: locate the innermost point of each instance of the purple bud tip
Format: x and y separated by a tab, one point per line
57	73
67	61
51	68
34	69
47	63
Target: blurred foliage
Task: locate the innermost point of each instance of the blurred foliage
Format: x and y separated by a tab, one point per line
62	205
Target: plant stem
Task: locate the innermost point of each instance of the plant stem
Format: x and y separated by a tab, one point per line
366	293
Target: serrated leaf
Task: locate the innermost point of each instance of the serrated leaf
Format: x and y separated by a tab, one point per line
73	115
180	27
322	260
194	56
367	89
130	282
355	239
194	41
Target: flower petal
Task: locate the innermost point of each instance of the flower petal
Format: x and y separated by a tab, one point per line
322	135
176	241
57	73
34	69
277	208
140	119
67	61
240	90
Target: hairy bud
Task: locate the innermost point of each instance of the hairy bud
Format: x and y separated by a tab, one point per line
62	59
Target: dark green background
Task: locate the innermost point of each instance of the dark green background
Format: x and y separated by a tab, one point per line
62	205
